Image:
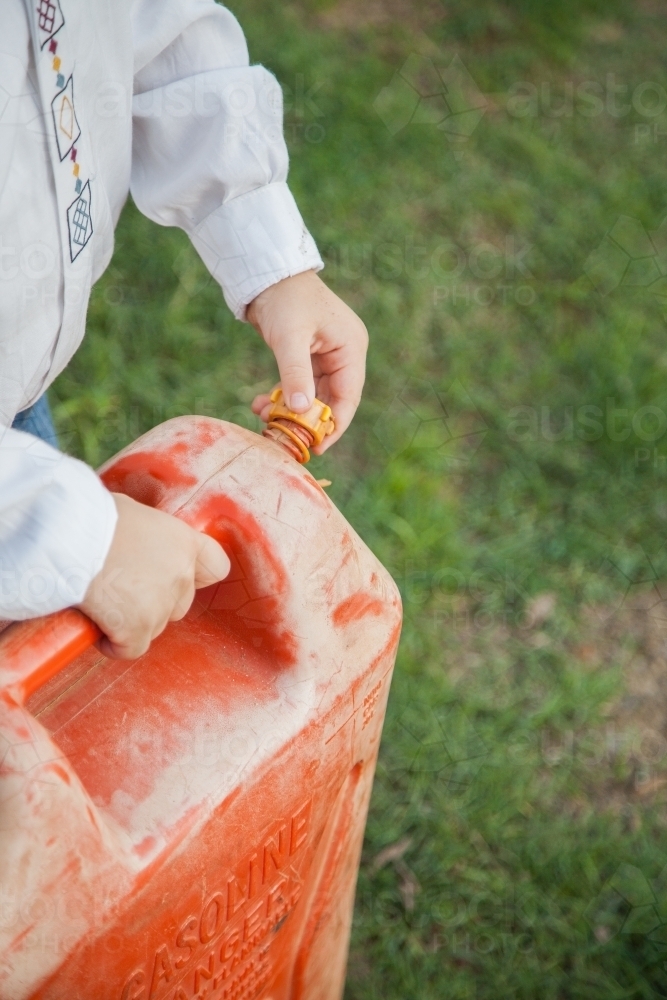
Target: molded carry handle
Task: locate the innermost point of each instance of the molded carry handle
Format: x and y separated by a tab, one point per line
33	652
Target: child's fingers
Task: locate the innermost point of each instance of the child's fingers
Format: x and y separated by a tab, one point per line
292	352
342	392
126	646
261	405
343	409
337	365
212	563
155	562
344	387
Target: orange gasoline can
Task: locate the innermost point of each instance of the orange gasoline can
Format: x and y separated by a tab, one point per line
189	824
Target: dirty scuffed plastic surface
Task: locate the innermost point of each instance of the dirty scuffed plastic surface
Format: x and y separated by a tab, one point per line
188	825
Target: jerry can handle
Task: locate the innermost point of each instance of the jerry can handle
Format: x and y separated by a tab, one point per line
33	652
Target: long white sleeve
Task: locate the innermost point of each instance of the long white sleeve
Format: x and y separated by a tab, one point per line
208	149
56	525
207	155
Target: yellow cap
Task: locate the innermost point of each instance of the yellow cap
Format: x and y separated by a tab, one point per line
318	421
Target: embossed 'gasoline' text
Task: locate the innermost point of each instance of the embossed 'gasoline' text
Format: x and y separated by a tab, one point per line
222	948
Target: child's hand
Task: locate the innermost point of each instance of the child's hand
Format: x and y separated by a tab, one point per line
320	346
154	565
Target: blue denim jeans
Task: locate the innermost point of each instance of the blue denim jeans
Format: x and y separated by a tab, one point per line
37	420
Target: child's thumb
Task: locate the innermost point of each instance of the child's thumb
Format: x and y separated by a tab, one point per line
296	374
212	563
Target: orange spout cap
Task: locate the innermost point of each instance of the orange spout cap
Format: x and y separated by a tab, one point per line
298	432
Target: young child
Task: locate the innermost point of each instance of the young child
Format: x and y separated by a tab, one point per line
155	97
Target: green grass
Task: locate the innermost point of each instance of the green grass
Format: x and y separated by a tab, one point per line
486	466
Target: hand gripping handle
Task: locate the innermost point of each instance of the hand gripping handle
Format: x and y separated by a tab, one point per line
33	652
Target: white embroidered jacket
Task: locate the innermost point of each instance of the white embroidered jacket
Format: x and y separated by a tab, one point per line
98	98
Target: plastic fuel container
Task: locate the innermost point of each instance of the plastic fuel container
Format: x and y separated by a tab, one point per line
188	825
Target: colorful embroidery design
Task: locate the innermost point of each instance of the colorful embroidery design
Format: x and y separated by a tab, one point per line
79	222
64	119
49	20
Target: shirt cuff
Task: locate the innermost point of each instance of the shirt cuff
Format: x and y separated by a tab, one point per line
57	522
253	241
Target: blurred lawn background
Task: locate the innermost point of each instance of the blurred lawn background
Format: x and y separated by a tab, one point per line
487	182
